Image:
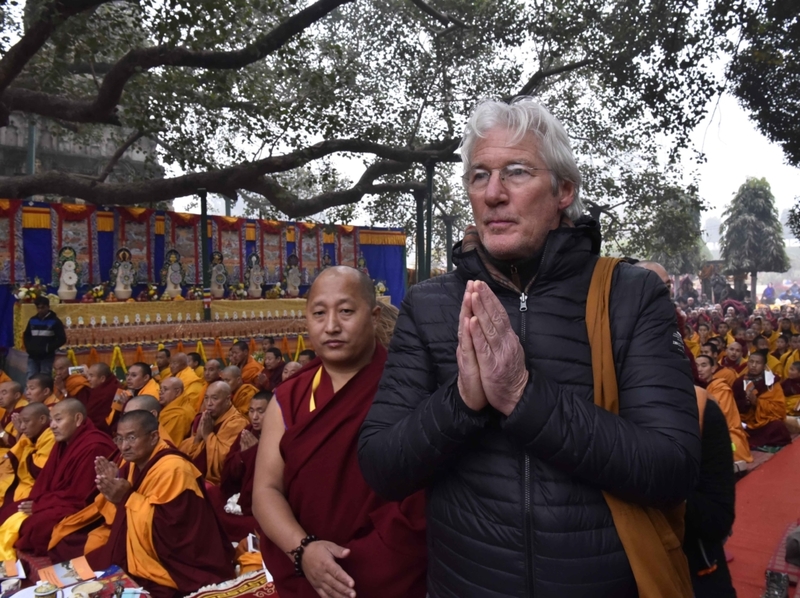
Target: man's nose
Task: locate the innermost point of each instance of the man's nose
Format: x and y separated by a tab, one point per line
495	192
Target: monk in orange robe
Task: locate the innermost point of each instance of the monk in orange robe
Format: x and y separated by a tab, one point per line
176	414
103	390
40	388
733	358
74	386
66	484
162	530
241	358
138	381
720	390
307	478
213	432
163	357
192	385
792	354
196	364
11	402
4	377
210	375
761	403
781	347
791	389
23	463
241	392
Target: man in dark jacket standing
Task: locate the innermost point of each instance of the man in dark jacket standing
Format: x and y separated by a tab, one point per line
487	400
43	336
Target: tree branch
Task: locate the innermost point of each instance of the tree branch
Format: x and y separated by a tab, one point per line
249	175
444	19
133	138
532	86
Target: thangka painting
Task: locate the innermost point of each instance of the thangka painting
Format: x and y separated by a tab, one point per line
12	262
270	238
134	234
182	233
347	246
309	248
75	226
229	238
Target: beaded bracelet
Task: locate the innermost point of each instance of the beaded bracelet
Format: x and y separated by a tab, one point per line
298	554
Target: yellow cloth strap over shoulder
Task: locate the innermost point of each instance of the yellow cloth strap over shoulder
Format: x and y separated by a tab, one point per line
652	538
312	404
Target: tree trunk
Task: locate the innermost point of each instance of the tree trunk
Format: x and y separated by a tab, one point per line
753	292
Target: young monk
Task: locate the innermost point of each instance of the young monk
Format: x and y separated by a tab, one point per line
40	389
241	358
791	389
241	391
11	401
733	358
762	405
328	532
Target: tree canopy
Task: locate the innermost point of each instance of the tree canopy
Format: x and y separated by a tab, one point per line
248	97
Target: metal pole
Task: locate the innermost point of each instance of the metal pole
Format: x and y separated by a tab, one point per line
227	206
430	168
449	220
420	197
205	262
31	148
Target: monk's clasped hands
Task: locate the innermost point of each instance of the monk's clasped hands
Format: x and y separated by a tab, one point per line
491	361
108	481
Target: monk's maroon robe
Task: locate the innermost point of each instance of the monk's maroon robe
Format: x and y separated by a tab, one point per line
99	403
774	433
65	486
329	497
791	386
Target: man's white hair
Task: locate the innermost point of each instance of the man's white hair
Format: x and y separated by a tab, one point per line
522	116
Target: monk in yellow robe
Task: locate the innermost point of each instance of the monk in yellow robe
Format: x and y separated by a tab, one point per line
162	530
692	340
196	363
773	364
719	390
138	381
74	386
791	389
20	467
192	385
781	348
163	364
4	377
210	375
241	358
762	405
151	404
241	392
213	432
768	331
176	414
792	354
40	388
11	401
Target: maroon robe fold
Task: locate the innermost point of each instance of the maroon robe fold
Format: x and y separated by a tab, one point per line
65	485
329	497
99	404
791	386
192	549
736	367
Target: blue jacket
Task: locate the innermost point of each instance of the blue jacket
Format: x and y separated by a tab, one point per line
514	504
44	336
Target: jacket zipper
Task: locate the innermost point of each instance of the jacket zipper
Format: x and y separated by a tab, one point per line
530	575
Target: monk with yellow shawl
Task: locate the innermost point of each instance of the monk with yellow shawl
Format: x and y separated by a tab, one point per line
792	354
176	414
196	363
23	463
791	389
241	392
762	405
40	388
733	358
718	389
192	385
74	386
213	432
163	532
138	381
163	364
241	358
11	401
210	375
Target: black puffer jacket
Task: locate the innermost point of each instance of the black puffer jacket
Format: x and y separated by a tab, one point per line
515	505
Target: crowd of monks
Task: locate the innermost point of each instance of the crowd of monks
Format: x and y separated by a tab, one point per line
749	363
153	474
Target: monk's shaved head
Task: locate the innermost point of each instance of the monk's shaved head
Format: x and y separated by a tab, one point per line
33	420
141	419
657	268
101	369
66	418
178	362
71	406
61	362
362	283
143	403
232	370
12	386
36	410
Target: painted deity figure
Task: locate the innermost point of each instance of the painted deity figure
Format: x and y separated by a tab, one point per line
254	275
123	274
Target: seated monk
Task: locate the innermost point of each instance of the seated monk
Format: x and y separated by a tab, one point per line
761	404
161	529
241	358
153	405
176	414
791	389
74	386
792	353
241	392
20	467
41	389
290	369
213	432
773	364
103	389
11	401
163	365
272	375
307	478
306	356
197	364
65	484
719	389
728	375
210	375
237	474
138	380
192	385
733	358
781	346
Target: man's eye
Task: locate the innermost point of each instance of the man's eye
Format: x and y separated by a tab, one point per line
479	175
517	172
